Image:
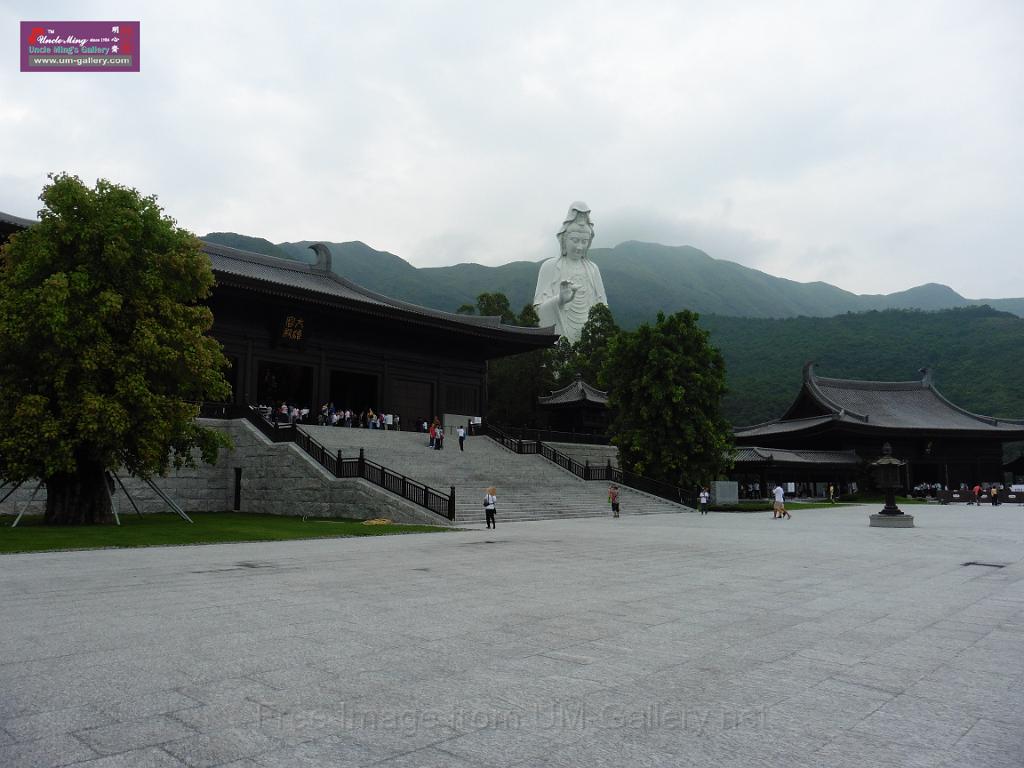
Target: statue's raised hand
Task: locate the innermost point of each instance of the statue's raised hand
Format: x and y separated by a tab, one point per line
567	291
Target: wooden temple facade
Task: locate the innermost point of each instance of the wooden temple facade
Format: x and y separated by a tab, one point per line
835	427
300	334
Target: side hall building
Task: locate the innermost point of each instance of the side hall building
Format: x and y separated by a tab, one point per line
299	333
835	427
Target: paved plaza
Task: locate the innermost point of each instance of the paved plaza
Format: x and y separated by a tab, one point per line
668	640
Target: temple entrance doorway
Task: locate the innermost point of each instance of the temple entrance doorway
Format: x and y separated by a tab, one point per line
412	401
356	392
278	383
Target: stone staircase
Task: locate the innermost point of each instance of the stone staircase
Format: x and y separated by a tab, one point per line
529	486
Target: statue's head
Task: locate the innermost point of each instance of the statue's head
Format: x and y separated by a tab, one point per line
577	231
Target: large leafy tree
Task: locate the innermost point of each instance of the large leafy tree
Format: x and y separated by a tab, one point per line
665	384
591	350
104	352
586	357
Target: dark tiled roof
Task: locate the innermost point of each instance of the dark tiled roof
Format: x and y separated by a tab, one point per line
779	427
578	391
16	221
255	269
273	272
897	405
752	455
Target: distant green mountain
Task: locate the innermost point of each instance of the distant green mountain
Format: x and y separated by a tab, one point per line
767	327
972	352
246	243
641	279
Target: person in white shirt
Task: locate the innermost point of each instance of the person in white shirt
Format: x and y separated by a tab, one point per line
780	503
490	501
461	432
705	497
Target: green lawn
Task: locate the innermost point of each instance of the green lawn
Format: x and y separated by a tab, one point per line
168	530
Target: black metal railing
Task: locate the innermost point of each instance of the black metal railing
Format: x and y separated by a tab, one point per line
588	471
418	493
654	487
222	411
395	482
514	444
565	461
555	436
275	431
326	458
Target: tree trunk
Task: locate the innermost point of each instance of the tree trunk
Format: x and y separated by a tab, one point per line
79	498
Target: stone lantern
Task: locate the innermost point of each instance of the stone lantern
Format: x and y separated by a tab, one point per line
886	473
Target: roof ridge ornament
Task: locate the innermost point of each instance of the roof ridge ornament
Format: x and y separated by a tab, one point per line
323	257
926	376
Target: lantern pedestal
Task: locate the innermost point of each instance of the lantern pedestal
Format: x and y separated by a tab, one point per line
892	521
887	477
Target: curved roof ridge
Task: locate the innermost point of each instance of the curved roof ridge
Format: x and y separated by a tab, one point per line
994	421
811	383
925	386
17	221
299	267
808	419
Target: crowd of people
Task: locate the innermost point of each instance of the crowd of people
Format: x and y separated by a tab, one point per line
368	419
830	491
329	416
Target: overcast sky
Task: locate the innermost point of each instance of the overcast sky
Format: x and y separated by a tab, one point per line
875	146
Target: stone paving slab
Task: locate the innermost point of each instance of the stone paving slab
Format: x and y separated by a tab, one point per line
726	639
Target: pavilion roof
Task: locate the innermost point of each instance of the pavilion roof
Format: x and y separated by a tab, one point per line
577	391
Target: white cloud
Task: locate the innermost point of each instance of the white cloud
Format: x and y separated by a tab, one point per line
871	145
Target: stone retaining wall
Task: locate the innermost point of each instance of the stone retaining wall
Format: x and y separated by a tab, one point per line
277	478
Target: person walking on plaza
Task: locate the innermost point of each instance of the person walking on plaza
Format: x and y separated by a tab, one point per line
831	494
613	497
461	432
490	501
705	498
780	503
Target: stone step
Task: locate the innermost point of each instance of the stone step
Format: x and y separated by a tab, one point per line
529	486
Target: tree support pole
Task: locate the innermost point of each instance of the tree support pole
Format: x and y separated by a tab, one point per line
108	484
16	487
167	500
31	499
121	483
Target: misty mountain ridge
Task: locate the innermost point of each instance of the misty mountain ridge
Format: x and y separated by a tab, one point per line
641	279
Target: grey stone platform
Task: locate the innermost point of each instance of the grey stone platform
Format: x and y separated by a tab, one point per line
662	640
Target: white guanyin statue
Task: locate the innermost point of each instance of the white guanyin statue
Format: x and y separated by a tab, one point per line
567	287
